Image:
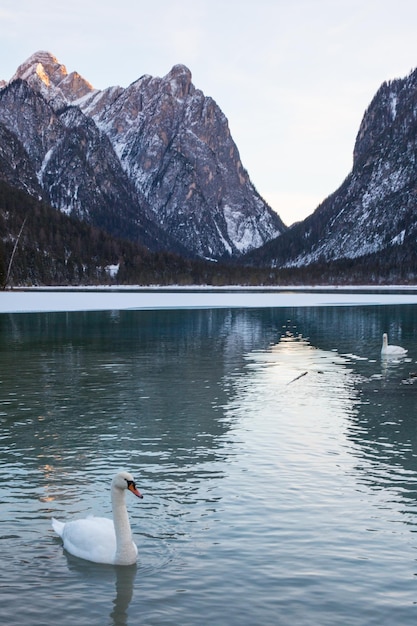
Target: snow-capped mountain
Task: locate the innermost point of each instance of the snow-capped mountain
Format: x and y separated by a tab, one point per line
154	162
375	208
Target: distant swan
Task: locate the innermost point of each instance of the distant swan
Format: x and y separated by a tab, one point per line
99	539
390	350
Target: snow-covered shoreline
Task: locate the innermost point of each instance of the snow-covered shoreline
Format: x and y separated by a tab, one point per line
222	288
50	299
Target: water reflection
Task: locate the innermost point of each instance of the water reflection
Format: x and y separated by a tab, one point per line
374	397
87	394
308	395
125	577
121	579
383	431
74	384
265	442
357	330
91	379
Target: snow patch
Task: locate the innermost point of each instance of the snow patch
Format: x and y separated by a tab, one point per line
44	165
112	270
393	105
241	230
398	239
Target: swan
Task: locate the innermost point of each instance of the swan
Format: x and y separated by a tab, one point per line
99	539
390	350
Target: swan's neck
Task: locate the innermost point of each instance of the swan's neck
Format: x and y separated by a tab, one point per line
384	341
125	549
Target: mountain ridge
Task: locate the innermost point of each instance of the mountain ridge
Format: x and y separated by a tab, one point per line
375	207
167	147
155	162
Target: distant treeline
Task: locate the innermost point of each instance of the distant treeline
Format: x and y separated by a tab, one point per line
56	249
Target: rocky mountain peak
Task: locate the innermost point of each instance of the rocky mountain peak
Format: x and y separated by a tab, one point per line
44	65
391	112
179	79
45	74
153	160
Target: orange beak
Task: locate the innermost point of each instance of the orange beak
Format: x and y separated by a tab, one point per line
136	492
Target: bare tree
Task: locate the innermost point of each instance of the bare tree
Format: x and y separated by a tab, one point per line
9	268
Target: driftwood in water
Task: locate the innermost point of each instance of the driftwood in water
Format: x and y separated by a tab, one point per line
297	377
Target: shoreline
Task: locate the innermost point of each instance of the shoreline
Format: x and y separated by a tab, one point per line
131	297
221	288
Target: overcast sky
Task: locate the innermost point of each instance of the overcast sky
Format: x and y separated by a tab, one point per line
293	78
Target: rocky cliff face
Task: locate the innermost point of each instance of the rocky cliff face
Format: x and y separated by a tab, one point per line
375	208
154	162
176	146
63	158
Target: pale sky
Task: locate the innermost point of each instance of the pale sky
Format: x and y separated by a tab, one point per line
292	77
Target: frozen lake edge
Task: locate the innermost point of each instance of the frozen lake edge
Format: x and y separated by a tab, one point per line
102	298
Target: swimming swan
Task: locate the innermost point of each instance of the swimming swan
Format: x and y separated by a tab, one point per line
389	350
99	539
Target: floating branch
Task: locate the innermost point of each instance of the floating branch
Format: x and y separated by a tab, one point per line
297	377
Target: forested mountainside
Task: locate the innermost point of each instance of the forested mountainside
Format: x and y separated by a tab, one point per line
57	249
42	246
47	247
374	211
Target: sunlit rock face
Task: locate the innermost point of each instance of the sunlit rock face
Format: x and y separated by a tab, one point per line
375	208
154	160
43	72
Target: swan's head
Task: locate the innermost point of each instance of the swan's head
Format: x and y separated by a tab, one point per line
124	480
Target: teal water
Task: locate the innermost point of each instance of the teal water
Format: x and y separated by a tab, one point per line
275	451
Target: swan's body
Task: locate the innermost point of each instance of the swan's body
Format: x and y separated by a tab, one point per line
390	350
99	539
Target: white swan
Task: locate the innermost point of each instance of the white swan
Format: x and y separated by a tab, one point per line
99	539
390	350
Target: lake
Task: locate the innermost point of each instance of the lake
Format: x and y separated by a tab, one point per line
275	450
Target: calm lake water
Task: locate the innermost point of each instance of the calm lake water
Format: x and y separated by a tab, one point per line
276	452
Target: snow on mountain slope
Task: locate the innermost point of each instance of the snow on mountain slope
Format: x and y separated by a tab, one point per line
178	165
375	208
